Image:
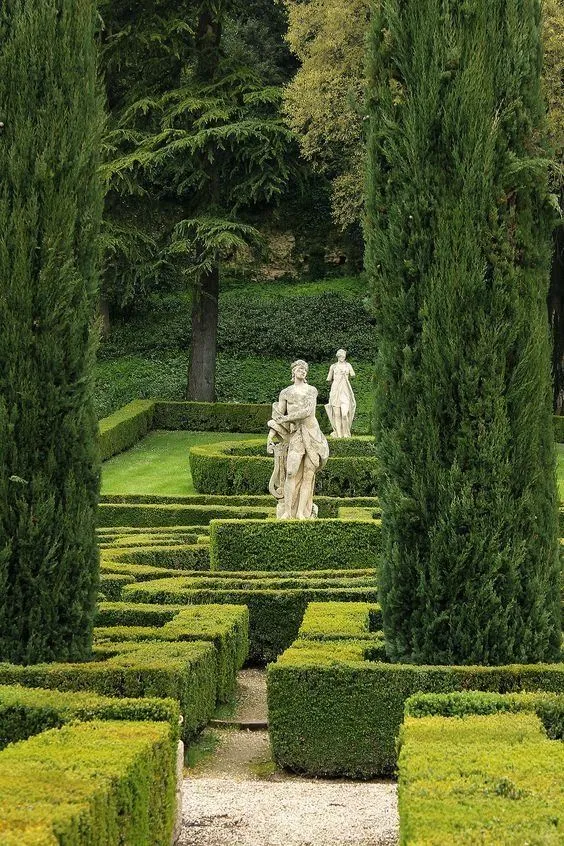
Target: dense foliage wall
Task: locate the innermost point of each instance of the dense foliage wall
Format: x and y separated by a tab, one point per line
459	223
50	206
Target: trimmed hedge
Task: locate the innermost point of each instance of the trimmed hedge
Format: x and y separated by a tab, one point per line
333	713
148	514
243	467
549	707
211	416
25	712
483	779
177	557
329	506
293	544
122	429
226	626
96	782
276	606
341	621
186	672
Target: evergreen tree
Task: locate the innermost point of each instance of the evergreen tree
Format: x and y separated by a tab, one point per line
458	226
50	206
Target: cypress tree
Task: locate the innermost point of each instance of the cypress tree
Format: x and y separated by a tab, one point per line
458	229
50	207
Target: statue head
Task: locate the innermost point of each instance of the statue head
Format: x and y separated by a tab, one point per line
341	355
299	365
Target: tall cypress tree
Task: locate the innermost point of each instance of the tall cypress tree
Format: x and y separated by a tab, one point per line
50	207
458	228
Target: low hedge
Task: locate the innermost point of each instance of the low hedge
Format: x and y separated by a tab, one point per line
25	712
112	584
549	707
211	416
177	557
484	779
226	626
329	506
148	514
341	621
186	672
276	606
122	429
96	782
294	544
243	467
142	572
127	541
333	713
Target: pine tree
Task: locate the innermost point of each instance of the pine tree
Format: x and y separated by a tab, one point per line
50	207
458	226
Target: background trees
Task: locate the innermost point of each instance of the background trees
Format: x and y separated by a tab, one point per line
459	223
50	207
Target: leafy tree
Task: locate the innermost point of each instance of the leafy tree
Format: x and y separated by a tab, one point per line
459	218
324	101
216	145
50	207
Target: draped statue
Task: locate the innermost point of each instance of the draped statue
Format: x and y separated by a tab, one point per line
342	403
299	447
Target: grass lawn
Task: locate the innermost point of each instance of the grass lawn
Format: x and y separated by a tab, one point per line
159	463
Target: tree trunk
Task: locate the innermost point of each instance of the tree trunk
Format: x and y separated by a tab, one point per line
203	347
556	320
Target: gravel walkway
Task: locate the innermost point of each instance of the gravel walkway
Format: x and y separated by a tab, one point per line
237	796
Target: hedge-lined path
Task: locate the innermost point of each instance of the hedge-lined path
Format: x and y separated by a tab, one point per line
238	797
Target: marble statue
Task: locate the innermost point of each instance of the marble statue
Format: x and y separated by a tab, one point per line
299	447
342	404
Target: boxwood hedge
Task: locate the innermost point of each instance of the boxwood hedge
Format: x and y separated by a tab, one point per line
294	544
483	779
95	782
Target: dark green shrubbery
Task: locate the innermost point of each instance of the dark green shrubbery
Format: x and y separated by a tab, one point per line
294	544
276	603
50	210
459	262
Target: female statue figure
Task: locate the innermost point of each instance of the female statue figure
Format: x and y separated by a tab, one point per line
342	404
299	447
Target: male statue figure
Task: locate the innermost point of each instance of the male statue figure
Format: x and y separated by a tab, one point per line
299	447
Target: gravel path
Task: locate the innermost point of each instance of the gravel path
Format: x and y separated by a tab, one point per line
238	797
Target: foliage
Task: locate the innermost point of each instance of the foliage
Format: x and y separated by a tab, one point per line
176	514
293	545
334	713
71	785
186	672
324	101
276	603
458	189
125	427
50	208
490	779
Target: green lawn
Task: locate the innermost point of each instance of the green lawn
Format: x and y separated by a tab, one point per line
159	463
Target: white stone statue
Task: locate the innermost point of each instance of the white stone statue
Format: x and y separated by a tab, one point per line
299	447
342	404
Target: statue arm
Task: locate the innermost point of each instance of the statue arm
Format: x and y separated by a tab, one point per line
330	374
304	411
352	374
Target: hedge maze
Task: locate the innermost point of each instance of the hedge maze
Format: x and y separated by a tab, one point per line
194	587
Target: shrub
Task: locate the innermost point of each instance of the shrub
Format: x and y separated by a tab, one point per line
341	621
72	784
549	707
25	712
212	416
243	467
333	713
293	544
193	557
226	626
558	429
125	427
276	605
186	672
483	779
146	514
